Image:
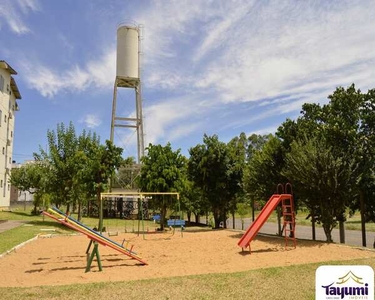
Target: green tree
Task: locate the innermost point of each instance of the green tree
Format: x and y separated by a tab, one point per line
208	168
33	178
162	171
237	152
321	179
339	123
62	147
78	166
263	172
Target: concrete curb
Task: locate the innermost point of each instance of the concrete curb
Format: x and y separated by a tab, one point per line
40	235
15	248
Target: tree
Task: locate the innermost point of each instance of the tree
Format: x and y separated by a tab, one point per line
162	171
263	172
237	152
32	178
208	168
62	148
321	179
341	124
78	166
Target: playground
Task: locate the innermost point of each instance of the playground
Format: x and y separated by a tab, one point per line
61	260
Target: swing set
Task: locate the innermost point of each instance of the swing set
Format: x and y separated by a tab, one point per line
140	198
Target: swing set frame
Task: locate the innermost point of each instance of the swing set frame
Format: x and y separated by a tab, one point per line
141	196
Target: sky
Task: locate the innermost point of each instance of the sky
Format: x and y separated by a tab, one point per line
214	67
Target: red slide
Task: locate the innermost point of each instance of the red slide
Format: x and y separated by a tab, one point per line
261	219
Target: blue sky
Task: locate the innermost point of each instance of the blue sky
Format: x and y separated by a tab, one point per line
215	67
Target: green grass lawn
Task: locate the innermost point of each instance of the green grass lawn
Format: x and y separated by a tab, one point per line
34	225
293	282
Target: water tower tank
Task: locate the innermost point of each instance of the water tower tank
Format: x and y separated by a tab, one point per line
127	53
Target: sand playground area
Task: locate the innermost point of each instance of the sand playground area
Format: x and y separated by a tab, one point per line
60	260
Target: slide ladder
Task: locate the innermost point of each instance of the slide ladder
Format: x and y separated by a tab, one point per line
289	220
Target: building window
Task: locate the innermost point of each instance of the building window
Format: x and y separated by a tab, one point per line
10	160
1	83
11	133
5	118
3	150
1	183
8	187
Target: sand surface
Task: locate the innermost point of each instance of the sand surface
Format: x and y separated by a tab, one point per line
61	260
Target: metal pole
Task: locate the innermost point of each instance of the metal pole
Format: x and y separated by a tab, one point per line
140	138
101	215
179	209
143	223
114	104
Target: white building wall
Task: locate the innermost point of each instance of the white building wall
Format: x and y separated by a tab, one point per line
7	116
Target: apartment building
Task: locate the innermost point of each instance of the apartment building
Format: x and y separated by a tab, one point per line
9	94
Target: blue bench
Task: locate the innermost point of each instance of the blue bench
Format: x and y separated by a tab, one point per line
176	222
156	218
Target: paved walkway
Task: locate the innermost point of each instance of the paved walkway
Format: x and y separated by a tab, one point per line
352	237
4	226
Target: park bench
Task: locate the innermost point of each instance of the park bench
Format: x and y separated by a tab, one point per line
176	222
156	218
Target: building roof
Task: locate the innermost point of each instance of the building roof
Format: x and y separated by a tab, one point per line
14	88
5	65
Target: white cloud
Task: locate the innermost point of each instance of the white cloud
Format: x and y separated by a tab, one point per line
164	121
91	121
49	82
14	11
261	131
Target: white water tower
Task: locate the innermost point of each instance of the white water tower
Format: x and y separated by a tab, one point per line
128	76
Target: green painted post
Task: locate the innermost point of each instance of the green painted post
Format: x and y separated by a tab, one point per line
95	252
89	246
98	258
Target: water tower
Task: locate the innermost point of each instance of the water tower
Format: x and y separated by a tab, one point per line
128	76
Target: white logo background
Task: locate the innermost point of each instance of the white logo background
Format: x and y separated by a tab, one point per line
326	275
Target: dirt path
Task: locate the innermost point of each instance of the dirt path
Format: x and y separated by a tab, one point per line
62	260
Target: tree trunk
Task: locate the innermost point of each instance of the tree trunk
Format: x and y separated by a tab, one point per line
79	212
279	220
224	219
342	232
313	224
189	217
197	218
253	210
67	209
216	213
363	220
233	219
328	233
